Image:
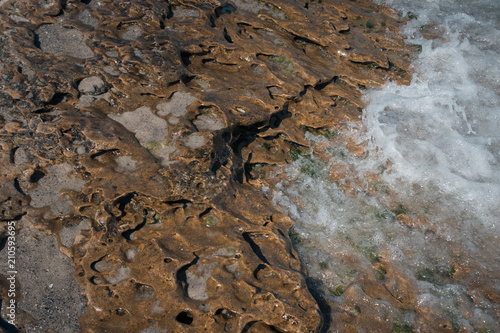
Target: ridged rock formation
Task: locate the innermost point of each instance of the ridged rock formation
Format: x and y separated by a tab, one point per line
133	138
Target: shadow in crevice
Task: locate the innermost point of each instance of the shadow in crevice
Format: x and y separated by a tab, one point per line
315	287
230	144
5	326
181	274
128	234
256	248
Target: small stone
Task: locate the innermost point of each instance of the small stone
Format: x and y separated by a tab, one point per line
92	85
21	156
86	18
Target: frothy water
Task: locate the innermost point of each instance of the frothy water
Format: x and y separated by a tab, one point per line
419	212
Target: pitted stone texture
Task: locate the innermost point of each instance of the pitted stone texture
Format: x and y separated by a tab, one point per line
50	298
226	104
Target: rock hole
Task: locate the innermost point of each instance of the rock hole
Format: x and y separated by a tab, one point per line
127	234
185	58
187	78
173	83
170	12
13	154
227	37
181	274
278	117
3	240
124	200
224	9
321	86
226	314
184	202
248	326
258	269
256	249
92	265
95	280
36	176
185	318
226	136
36	40
18	187
102	152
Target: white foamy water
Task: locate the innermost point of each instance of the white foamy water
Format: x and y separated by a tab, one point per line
422	216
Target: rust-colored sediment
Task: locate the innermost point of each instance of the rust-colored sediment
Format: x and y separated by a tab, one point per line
134	136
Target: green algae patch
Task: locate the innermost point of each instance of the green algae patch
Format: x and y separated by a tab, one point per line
283	61
400	209
308	165
154	147
339	291
451	271
294	236
266	145
295	154
211	220
370	24
329	134
380	273
401	328
323	265
426	274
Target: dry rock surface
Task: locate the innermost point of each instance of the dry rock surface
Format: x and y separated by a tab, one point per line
134	139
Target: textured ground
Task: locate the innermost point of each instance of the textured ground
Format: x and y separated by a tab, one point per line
134	137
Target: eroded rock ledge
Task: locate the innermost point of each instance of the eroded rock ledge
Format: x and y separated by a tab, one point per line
134	134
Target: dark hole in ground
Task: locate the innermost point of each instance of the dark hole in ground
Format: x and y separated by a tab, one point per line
185	318
36	176
224	9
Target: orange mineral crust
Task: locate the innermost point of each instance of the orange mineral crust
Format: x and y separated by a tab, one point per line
135	137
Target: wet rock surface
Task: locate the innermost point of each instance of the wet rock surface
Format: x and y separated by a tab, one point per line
136	134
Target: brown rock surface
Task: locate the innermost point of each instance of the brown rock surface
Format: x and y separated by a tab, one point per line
135	133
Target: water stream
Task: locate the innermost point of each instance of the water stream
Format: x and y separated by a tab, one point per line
418	212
